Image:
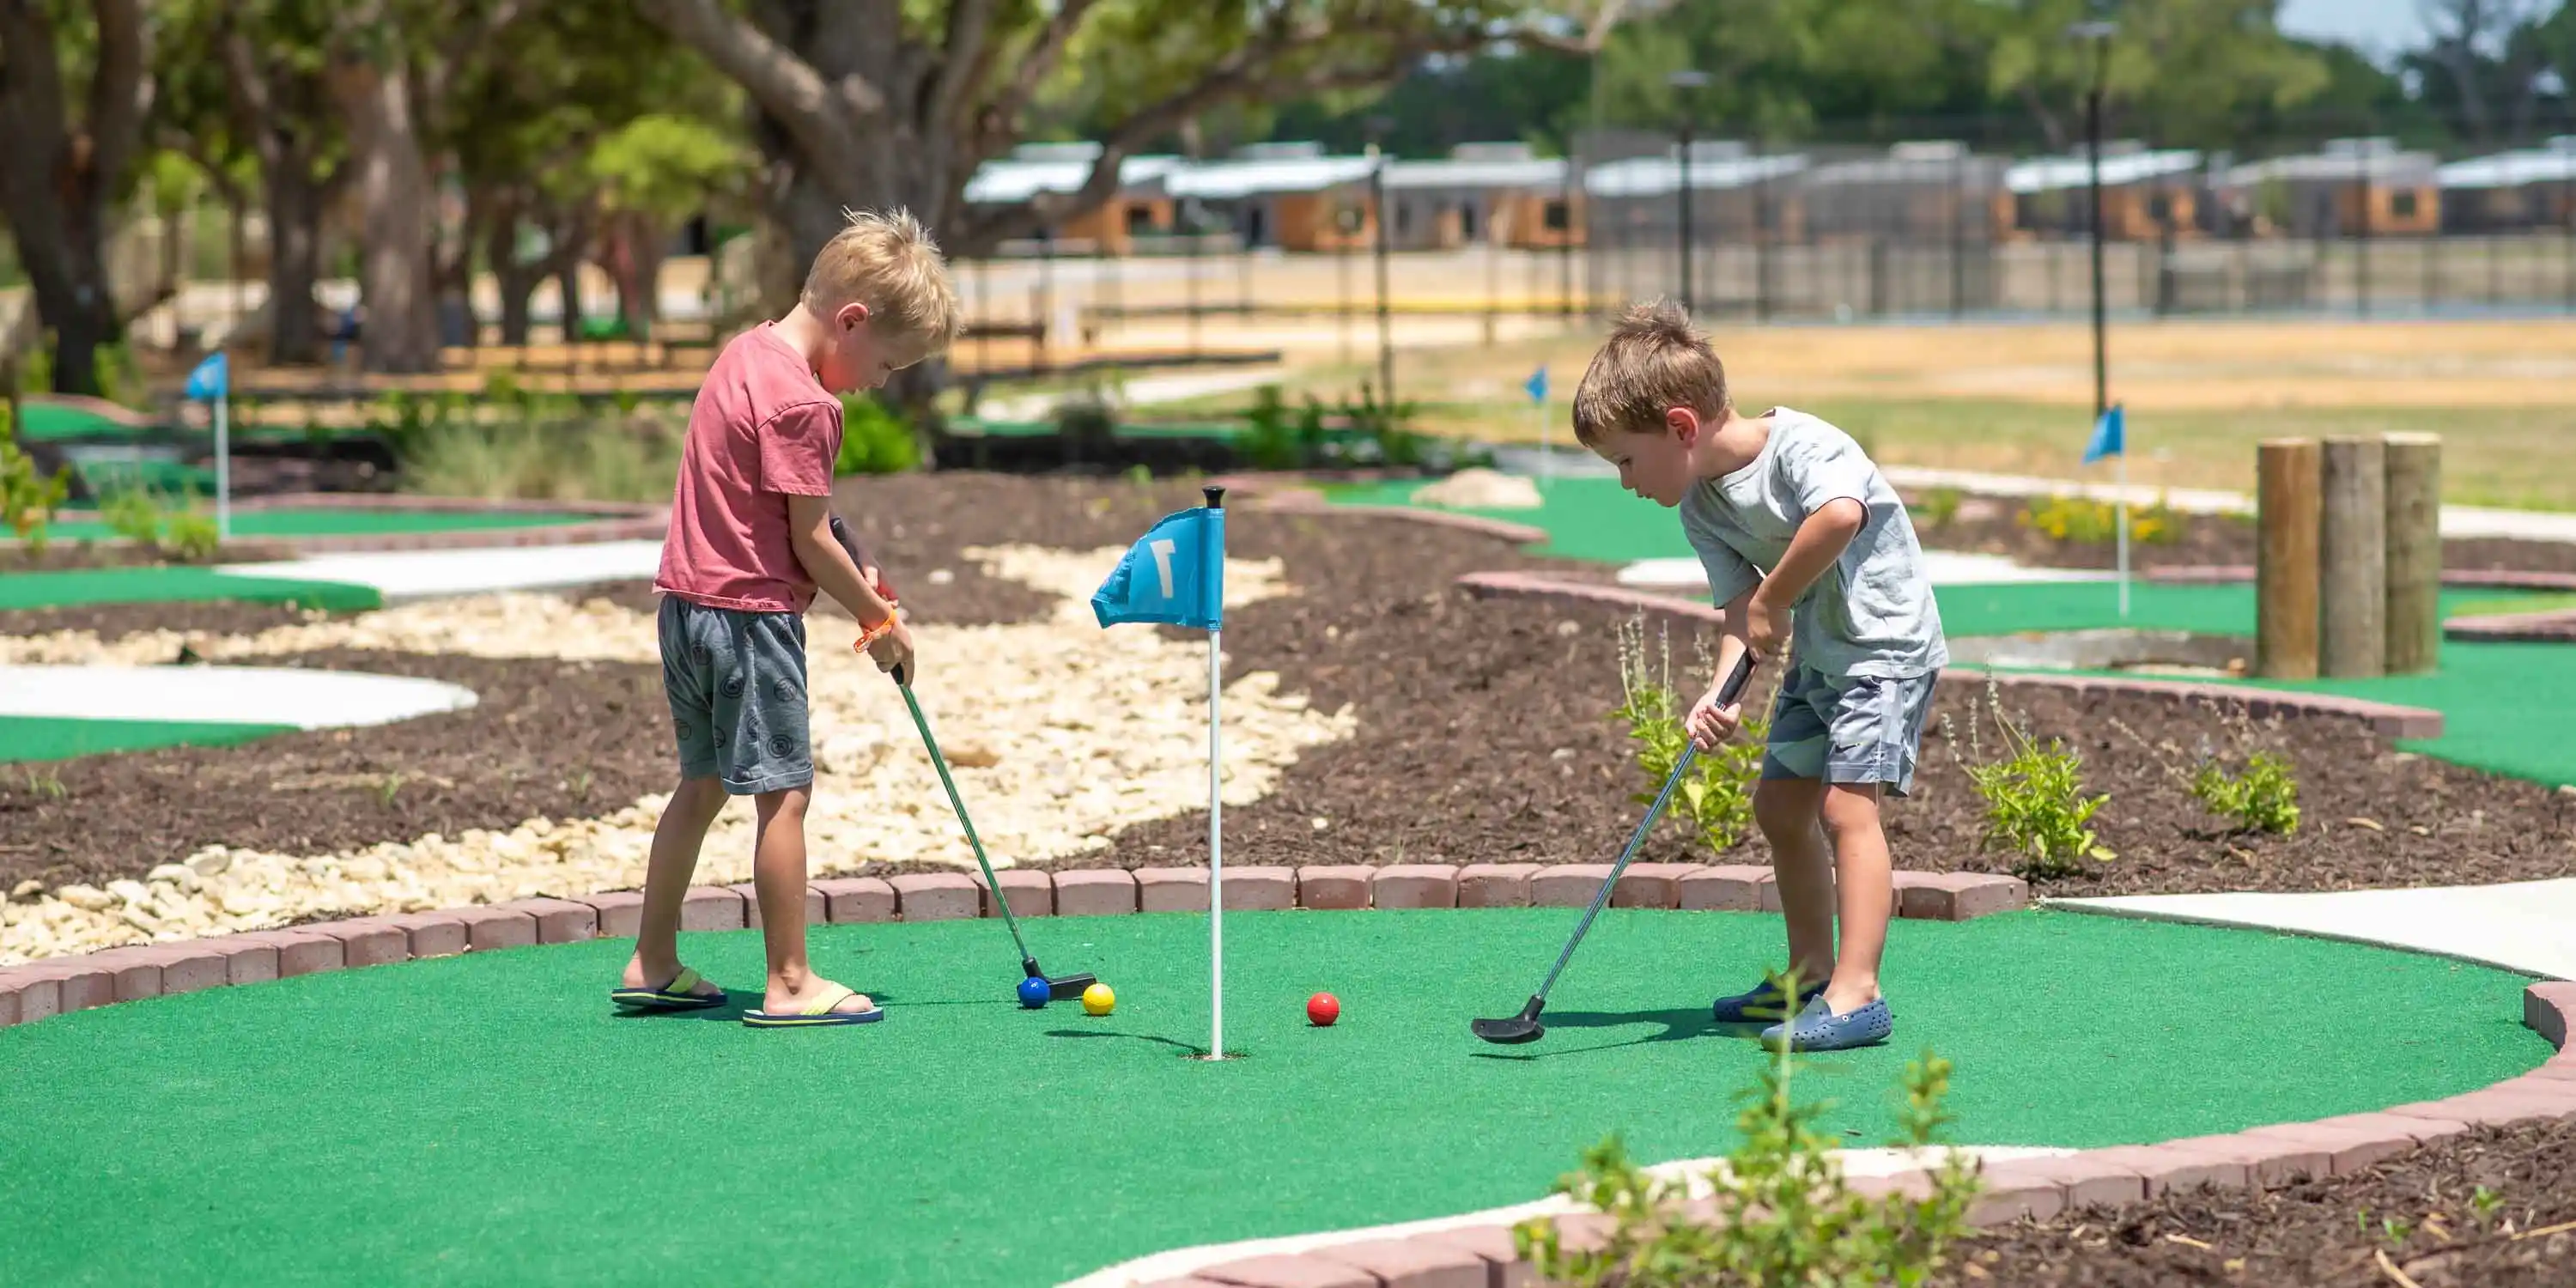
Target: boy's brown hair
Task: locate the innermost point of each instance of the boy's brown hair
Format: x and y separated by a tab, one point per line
1654	361
887	261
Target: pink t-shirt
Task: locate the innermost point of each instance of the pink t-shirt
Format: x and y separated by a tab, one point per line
763	428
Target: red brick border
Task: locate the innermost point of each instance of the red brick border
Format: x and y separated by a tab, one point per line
2385	718
50	986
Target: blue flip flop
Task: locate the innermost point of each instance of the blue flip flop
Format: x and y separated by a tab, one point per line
817	1014
1817	1028
1759	1005
679	995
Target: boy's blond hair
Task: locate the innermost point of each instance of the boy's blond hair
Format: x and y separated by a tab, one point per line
1653	362
887	261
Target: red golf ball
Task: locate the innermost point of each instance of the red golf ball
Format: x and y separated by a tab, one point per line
1322	1009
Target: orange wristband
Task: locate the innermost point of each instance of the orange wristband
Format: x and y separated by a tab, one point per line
871	634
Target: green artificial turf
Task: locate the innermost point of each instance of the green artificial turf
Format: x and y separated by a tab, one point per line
33	738
177	582
486	1119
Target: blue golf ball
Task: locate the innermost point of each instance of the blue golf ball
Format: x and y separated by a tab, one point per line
1034	992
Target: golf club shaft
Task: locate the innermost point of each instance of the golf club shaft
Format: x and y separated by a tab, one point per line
1690	752
958	803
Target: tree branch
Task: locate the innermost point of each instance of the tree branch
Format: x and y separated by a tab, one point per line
968	58
1035	66
785	86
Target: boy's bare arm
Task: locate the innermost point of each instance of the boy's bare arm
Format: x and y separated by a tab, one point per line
1709	723
1820	541
809	526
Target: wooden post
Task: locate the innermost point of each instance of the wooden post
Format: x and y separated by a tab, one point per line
2414	552
2352	559
2285	559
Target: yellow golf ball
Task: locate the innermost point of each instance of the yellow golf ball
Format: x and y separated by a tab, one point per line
1098	1000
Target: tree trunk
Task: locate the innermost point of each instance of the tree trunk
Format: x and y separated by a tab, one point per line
294	265
60	174
568	287
396	272
515	281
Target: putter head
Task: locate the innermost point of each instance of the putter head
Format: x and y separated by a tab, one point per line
1523	1027
1068	986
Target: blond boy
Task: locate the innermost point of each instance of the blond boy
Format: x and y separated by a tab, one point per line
751	542
1787	493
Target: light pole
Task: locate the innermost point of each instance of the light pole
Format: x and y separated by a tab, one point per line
2098	32
1683	84
1377	130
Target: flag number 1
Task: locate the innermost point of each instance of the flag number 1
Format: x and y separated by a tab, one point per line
1163	563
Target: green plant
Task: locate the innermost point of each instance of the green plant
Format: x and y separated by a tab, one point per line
540	447
1784	1215
2264	798
192	536
1938	506
43	782
132	512
2035	803
1384	427
28	500
1271	439
1715	800
2485	1203
2083	521
874	439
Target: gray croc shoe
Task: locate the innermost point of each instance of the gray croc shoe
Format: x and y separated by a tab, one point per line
1817	1028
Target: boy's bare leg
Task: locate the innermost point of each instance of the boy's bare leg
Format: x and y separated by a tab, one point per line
676	840
1861	872
1803	866
778	877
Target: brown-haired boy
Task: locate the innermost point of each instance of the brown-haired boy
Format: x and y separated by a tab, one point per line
1788	493
751	541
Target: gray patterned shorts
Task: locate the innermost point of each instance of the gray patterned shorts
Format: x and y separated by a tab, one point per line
736	681
1860	729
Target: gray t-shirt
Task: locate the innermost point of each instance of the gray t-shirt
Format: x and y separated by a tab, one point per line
1871	612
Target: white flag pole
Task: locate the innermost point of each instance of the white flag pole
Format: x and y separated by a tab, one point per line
1216	824
223	463
2123	476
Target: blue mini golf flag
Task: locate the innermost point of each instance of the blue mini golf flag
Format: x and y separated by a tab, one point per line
1175	574
212	379
1537	385
2110	436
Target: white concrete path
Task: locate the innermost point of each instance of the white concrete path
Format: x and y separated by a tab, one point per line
306	699
427	574
2457	520
1946	567
1183	1261
2525	926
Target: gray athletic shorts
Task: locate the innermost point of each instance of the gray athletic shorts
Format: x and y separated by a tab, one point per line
1861	729
736	681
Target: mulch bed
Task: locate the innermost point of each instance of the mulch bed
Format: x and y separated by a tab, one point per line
2416	1211
1991	525
1484	734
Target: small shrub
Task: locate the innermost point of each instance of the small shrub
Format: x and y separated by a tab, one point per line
2035	803
874	439
1715	800
1268	440
133	513
192	536
1784	1214
2078	520
1938	506
28	500
2265	798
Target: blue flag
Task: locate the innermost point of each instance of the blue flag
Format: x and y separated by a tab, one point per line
212	379
2110	436
1175	573
1537	385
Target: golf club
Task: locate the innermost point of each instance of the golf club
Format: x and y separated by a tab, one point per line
1525	1027
1059	987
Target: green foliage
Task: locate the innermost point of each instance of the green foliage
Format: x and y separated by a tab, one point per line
513	442
1276	438
664	166
2036	809
2083	521
1938	506
1714	803
875	439
2264	798
167	524
1785	1217
28	500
